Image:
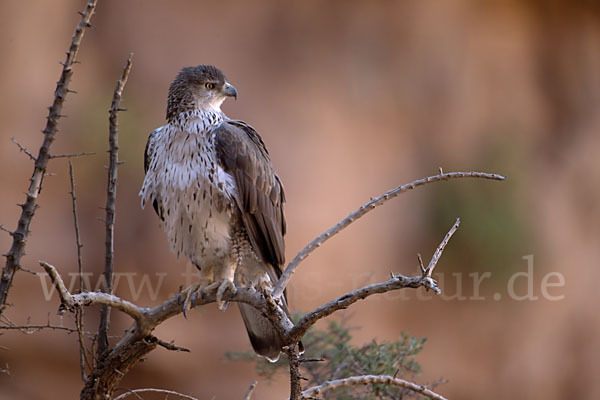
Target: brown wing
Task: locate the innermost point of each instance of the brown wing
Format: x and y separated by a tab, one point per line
259	193
148	154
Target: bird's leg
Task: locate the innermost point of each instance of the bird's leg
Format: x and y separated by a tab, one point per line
205	281
227	276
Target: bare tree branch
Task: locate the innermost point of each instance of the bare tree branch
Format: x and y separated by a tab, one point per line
31	329
72	155
250	390
23	149
71	301
111	197
396	282
13	257
79	313
138	340
375	202
440	249
76	223
295	377
168	345
151	390
370	380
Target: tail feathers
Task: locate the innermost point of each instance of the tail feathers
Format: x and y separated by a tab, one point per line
263	336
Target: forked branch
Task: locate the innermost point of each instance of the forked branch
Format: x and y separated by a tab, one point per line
138	340
373	203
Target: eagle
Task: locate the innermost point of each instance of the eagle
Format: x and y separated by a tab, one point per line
212	183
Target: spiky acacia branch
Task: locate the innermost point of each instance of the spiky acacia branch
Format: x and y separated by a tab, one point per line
20	235
111	198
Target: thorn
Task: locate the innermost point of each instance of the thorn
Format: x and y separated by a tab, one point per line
71	91
81	13
75	62
89	25
11	233
441	171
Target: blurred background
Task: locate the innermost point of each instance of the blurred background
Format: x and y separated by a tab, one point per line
352	98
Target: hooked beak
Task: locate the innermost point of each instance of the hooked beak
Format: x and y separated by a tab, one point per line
229	90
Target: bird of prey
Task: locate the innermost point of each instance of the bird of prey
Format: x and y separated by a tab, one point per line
212	184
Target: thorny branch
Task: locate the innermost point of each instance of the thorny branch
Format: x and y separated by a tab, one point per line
373	203
73	155
20	235
79	313
23	149
111	197
370	380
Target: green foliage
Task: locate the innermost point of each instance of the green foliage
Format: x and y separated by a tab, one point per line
341	359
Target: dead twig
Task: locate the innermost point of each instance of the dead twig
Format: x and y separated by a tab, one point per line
371	380
440	249
79	313
23	149
31	329
372	204
250	390
168	345
73	155
2	228
111	197
151	390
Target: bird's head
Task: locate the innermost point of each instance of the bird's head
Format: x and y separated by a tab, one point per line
203	87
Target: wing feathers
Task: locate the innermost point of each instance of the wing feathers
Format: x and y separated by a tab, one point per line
148	155
259	196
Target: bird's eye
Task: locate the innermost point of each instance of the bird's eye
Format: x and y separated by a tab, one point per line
209	85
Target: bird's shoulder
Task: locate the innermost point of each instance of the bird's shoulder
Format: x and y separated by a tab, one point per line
233	136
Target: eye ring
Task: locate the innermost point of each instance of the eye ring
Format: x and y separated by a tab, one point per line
209	85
